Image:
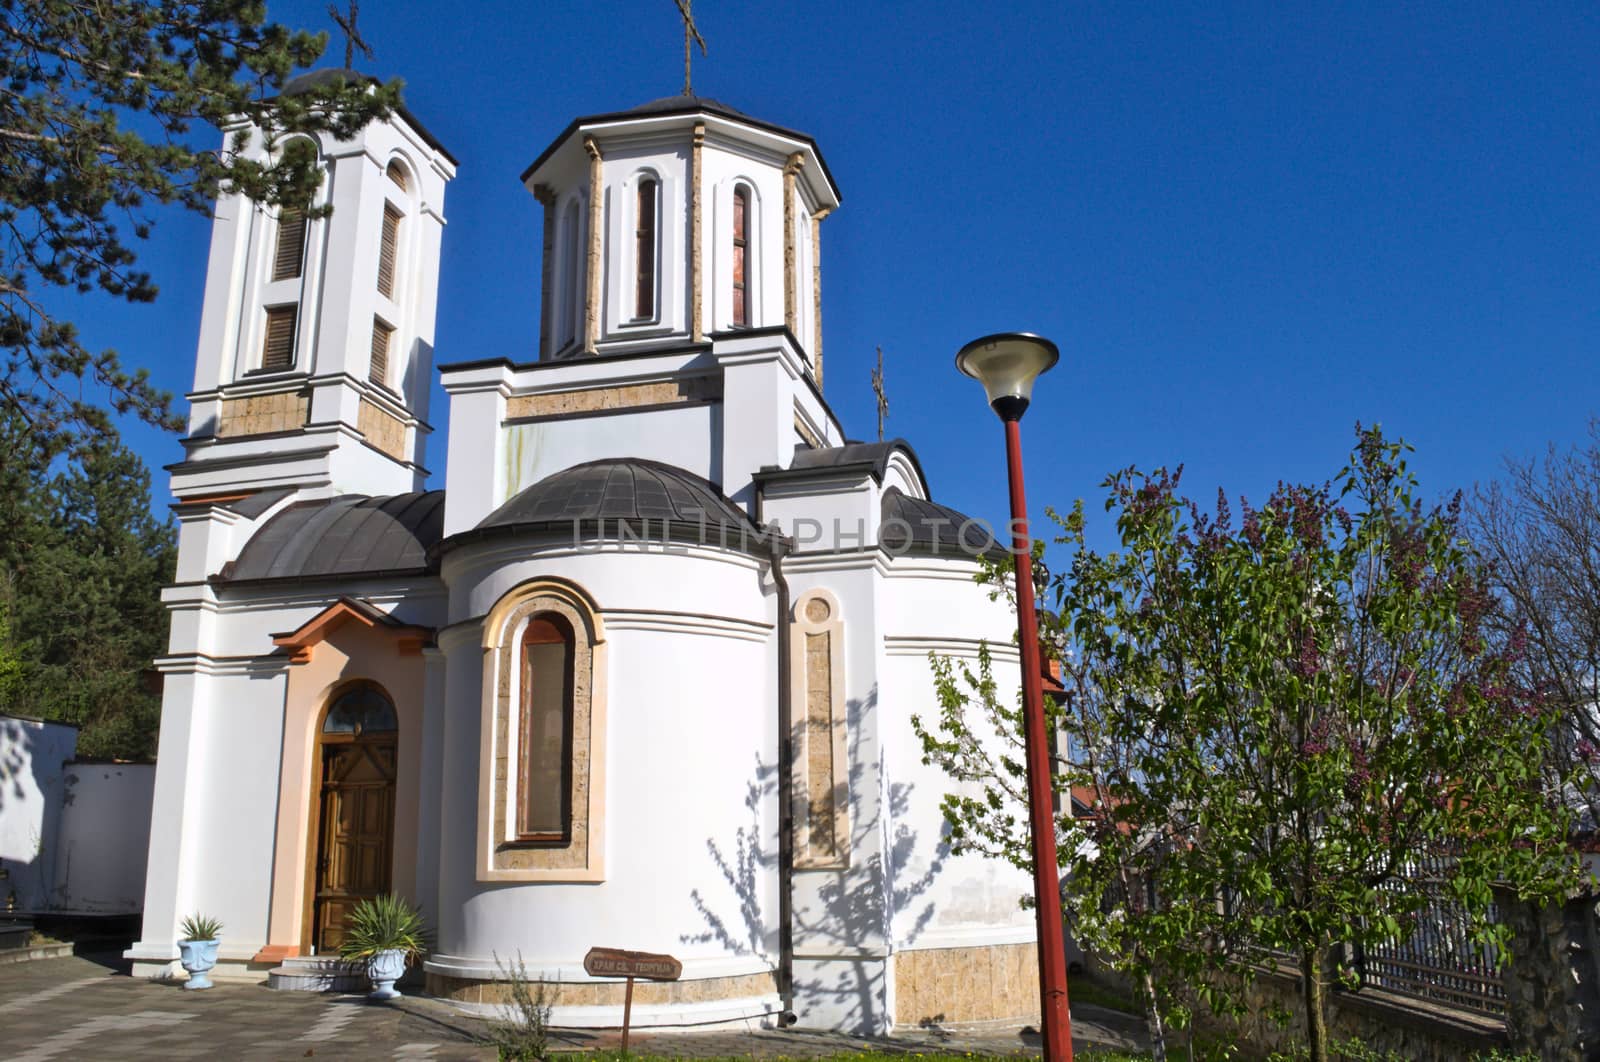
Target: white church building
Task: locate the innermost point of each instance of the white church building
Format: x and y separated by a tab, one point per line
585	696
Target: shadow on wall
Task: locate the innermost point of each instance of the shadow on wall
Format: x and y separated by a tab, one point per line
742	863
33	758
858	906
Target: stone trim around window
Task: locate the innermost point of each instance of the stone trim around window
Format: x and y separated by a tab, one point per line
822	764
501	856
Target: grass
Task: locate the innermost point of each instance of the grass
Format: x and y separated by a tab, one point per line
1088	1055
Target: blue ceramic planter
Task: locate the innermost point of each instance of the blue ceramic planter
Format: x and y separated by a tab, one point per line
198	957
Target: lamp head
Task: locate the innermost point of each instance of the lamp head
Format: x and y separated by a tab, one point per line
1007	364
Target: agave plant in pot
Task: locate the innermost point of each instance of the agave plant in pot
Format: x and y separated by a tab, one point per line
197	949
386	933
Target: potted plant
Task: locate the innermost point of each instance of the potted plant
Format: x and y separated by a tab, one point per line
386	933
197	949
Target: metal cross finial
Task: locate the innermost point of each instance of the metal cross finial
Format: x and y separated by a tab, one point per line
883	398
691	36
352	36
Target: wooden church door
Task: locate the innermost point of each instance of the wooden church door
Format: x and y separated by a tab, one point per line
355	849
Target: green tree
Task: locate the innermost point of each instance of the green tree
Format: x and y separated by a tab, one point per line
80	591
109	110
1279	729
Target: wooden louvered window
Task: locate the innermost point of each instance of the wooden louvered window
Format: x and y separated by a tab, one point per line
544	775
741	250
291	253
388	251
397	174
382	337
644	301
277	351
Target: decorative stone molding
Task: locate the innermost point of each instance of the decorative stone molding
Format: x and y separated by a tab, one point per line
945	986
607	993
696	226
816	290
547	199
262	414
822	780
383	429
802	429
501	857
682	391
591	295
791	299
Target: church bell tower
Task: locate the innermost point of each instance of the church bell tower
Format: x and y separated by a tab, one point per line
316	336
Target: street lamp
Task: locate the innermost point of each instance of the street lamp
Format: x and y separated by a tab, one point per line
1007	365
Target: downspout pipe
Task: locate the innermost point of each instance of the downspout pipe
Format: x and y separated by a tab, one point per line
778	547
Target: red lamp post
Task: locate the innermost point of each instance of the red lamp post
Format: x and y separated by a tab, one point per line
1007	365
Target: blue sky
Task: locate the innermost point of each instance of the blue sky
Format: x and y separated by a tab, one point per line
1247	226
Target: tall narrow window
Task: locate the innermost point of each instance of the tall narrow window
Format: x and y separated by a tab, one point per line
544	787
382	336
644	301
277	350
397	174
741	247
286	263
388	250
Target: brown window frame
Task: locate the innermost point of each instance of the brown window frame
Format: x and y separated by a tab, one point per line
544	629
289	255
741	257
378	363
646	217
389	249
278	313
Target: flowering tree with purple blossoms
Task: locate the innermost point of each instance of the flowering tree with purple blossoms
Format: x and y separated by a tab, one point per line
1273	725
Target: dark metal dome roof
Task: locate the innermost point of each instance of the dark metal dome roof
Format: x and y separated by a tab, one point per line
680	104
345	536
300	84
599	498
914	525
853	458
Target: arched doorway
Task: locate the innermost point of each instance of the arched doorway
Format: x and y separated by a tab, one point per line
354	855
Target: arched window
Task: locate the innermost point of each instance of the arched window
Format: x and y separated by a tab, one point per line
544	775
541	795
397	174
360	710
644	301
741	252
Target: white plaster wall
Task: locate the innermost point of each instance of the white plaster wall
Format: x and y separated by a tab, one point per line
104	837
932	605
233	801
689	798
684	436
33	755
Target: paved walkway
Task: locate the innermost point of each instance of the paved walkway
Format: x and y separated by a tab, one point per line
71	1008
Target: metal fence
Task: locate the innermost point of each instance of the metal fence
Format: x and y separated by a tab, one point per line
1438	961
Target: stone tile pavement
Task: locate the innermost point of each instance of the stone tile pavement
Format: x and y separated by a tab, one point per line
78	1007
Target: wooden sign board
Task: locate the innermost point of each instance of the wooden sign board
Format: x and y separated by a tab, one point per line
614	962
